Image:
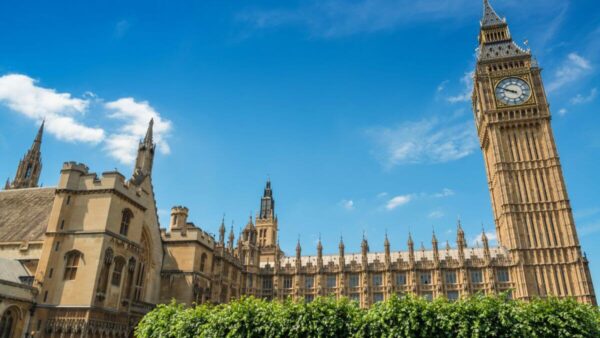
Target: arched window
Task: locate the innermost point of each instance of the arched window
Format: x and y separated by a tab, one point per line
72	259
118	271
203	262
125	220
8	323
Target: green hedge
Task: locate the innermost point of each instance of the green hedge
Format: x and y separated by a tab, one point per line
478	316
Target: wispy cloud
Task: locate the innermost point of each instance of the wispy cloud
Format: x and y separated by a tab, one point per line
347	204
398	201
583	99
477	240
65	116
62	111
444	193
562	111
573	68
436	214
425	141
465	95
135	115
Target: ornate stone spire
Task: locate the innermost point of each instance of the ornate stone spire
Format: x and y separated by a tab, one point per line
231	238
386	245
298	249
30	166
364	245
222	232
434	245
486	245
145	156
267	203
411	249
319	253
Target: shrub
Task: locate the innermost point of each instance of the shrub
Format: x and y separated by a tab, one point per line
476	316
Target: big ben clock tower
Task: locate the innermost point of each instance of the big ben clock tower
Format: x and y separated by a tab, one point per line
529	198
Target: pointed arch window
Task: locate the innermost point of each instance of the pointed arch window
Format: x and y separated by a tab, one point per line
118	271
8	323
72	259
125	221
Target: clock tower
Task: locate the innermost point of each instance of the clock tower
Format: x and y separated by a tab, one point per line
531	207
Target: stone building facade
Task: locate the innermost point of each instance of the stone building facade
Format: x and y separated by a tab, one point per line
88	257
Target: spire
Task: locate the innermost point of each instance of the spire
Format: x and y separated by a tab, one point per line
7	184
231	238
364	245
37	143
145	156
386	241
490	18
341	246
319	246
148	139
222	231
267	203
30	166
298	248
410	240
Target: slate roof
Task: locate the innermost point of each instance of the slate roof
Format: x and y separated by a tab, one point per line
24	213
11	270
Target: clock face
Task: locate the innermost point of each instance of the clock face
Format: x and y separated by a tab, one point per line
513	90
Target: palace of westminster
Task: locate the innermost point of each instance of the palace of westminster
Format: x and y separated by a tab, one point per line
88	258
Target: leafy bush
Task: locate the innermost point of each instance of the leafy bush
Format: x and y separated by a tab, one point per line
477	316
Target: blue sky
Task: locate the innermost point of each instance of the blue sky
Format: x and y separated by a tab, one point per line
357	110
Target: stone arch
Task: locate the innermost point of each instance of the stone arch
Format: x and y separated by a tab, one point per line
10	321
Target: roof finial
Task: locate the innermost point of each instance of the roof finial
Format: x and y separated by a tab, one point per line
148	140
490	18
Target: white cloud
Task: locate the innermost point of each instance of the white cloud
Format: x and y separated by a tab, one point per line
398	201
562	112
571	69
442	86
478	239
347	204
436	214
580	99
465	95
135	116
425	141
23	95
382	194
444	193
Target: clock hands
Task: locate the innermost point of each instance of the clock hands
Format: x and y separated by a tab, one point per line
510	91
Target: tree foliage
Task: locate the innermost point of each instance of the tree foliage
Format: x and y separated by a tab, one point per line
477	316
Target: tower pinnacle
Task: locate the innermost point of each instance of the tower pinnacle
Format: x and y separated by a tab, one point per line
145	156
30	166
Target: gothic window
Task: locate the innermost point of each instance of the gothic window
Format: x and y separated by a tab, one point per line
452	295
72	262
428	295
203	262
425	278
249	282
401	278
139	282
353	280
118	271
476	276
125	221
377	297
28	171
309	282
287	282
267	283
377	280
130	274
8	323
503	275
355	297
450	277
309	298
331	281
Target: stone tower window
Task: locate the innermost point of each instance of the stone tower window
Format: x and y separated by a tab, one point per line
118	271
287	282
125	221
71	265
503	275
476	276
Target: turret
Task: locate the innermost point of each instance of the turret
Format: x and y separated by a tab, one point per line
461	243
364	249
386	247
231	239
319	254
486	246
179	215
298	255
222	233
434	245
411	250
341	247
